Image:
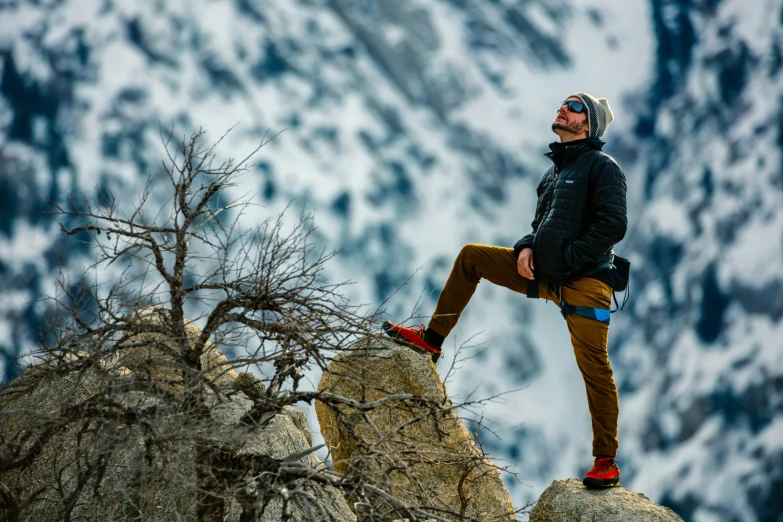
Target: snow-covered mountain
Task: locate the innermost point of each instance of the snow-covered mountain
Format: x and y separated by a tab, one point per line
700	352
413	127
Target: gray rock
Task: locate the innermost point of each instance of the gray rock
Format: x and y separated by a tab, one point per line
569	501
139	484
424	457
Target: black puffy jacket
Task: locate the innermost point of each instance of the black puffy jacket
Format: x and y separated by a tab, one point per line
580	214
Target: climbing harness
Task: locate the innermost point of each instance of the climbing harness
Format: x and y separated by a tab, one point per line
597	314
604	315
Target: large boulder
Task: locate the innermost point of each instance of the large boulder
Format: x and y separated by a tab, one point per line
569	501
141	481
424	456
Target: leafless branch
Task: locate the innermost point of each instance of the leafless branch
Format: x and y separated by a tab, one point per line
124	375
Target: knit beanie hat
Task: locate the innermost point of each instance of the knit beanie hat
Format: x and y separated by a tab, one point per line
599	115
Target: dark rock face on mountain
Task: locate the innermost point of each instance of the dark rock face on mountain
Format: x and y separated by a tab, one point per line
569	501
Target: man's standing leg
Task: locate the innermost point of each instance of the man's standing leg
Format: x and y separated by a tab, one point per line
589	338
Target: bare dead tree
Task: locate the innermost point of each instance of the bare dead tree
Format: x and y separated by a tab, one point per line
133	366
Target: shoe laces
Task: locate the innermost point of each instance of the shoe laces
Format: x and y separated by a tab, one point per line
418	329
604	464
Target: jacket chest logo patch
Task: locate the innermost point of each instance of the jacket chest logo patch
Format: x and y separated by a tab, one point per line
569	181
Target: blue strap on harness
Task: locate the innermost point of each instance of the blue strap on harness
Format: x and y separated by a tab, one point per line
597	314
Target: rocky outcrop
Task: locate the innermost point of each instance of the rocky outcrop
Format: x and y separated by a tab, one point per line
151	351
569	501
424	456
143	481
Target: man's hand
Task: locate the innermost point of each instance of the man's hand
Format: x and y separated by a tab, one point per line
525	263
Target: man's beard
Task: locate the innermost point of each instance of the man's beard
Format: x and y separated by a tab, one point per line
573	128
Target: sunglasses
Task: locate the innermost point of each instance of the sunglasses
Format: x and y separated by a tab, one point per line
574	106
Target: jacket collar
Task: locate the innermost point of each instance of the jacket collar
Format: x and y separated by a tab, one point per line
562	153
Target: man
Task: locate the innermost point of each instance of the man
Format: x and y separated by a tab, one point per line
567	258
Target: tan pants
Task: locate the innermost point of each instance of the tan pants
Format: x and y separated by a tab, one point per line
588	336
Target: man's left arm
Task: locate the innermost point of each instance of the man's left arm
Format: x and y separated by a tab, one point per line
609	221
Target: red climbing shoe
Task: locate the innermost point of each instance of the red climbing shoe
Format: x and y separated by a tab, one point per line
605	474
414	335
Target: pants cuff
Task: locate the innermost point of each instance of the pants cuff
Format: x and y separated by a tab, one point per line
604	450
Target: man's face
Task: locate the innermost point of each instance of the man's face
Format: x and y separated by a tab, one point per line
569	121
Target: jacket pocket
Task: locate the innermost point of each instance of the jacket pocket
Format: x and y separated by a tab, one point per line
564	256
567	256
